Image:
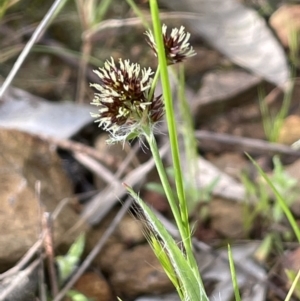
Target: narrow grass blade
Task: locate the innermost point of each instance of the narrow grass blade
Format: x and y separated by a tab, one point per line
165	261
173	133
191	284
291	290
280	200
233	276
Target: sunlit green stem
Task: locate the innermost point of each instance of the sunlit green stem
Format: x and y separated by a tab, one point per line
154	83
164	180
172	129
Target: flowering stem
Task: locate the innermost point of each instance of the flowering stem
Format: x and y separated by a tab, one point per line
164	180
154	82
186	236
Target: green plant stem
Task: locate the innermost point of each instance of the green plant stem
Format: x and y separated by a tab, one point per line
164	180
154	82
171	199
172	129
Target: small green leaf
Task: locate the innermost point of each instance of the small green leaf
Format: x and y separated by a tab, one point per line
76	296
67	263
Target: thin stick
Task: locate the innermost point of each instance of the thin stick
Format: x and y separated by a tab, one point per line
57	5
81	148
247	144
49	249
121	23
41	275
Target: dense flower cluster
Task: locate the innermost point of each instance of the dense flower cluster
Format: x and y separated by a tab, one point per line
176	44
124	100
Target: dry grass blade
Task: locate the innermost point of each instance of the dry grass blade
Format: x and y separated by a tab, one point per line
57	5
94	33
246	144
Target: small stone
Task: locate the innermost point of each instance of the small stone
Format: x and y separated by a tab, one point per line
138	272
94	286
290	130
227	218
127	234
131	230
231	163
286	23
26	160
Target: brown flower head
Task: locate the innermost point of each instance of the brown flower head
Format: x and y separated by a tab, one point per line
177	47
124	100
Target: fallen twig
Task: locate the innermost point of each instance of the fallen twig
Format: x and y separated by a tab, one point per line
246	144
